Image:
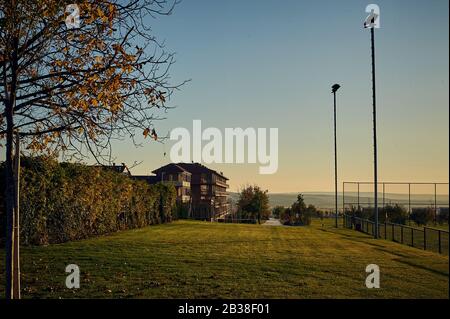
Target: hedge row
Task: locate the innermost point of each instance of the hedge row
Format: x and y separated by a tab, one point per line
61	202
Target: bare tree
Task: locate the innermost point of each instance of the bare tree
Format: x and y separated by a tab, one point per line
74	88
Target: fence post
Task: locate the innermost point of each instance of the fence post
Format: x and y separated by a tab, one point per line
385	229
359	205
412	237
393	232
343	197
377	228
435	205
439	238
409	203
401	234
424	238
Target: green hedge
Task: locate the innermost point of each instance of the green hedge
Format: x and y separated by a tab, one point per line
61	202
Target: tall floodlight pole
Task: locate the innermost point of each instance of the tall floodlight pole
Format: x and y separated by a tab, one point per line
334	89
372	22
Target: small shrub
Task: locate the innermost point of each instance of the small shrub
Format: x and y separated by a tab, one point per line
298	214
422	216
396	214
442	216
278	211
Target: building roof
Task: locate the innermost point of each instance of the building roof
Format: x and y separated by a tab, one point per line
197	168
171	168
117	168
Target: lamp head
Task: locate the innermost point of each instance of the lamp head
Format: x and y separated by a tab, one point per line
334	88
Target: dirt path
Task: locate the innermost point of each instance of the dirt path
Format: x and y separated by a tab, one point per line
272	222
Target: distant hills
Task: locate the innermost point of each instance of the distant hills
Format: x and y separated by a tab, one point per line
325	200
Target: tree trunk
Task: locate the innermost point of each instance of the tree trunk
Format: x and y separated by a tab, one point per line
9	203
10	191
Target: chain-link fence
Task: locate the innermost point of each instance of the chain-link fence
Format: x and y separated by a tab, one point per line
410	195
426	238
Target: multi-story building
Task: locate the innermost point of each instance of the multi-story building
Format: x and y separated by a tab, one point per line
208	191
179	177
202	191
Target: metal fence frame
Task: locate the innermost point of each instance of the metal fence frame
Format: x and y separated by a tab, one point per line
383	184
428	238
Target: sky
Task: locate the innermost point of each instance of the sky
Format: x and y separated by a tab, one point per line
271	64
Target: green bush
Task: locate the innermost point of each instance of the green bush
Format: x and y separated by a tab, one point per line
422	216
278	211
442	216
61	202
253	203
181	210
298	214
396	214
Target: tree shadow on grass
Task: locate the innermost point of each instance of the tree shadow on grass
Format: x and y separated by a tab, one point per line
437	272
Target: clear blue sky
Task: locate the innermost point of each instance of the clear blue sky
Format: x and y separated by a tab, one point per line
268	63
271	64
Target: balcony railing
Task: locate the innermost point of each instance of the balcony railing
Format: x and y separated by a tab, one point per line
220	193
222	183
179	183
185	198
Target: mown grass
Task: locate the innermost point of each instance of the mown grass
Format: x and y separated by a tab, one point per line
188	259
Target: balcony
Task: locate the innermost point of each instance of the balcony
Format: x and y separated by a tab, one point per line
222	184
220	193
179	183
185	198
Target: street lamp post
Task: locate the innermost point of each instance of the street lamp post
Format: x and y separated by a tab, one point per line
372	22
334	89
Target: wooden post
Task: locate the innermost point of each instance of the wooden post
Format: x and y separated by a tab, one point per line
16	243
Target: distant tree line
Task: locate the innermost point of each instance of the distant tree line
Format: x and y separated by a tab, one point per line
61	202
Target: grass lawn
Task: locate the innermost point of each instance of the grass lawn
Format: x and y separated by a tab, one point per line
188	259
